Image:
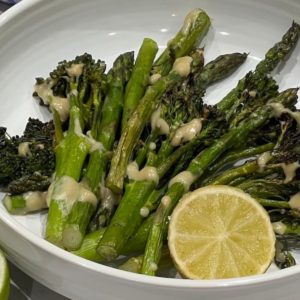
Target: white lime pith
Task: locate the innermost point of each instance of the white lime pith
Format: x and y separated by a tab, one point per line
4	278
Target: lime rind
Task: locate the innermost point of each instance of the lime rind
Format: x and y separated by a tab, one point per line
4	278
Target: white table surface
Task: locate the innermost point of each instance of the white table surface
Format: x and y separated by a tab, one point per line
22	286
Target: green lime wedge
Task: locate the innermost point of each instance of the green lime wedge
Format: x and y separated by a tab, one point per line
4	278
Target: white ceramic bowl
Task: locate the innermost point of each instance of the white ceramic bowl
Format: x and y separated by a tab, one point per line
36	34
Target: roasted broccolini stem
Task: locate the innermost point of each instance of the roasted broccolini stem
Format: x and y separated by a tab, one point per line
236	155
123	223
273	57
139	79
136	242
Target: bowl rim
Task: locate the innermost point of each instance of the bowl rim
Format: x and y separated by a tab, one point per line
59	253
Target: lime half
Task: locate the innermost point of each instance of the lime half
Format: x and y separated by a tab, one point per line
220	232
4	278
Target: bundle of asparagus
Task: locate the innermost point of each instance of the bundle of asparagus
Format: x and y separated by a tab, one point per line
130	143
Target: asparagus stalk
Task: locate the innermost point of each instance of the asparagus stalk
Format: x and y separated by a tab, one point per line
136	243
231	174
195	27
139	79
88	246
181	183
70	157
104	133
134	264
236	155
121	226
25	203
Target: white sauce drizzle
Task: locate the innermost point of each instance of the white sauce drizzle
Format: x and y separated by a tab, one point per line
147	173
186	178
77	129
95	145
60	104
182	66
289	170
279	109
252	93
144	212
49	193
75	70
186	132
295	201
159	123
279	227
24	150
153	267
40	146
35	201
165	201
190	20
74	93
153	78
70	191
263	159
152	146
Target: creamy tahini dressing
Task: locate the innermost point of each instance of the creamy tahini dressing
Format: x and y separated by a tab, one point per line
295	201
35	200
60	104
144	212
186	132
95	145
165	201
190	20
69	190
279	227
263	159
182	66
153	78
186	178
289	170
75	70
24	150
153	267
77	127
152	146
279	109
147	173
159	123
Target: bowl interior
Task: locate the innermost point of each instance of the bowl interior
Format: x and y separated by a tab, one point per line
36	38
